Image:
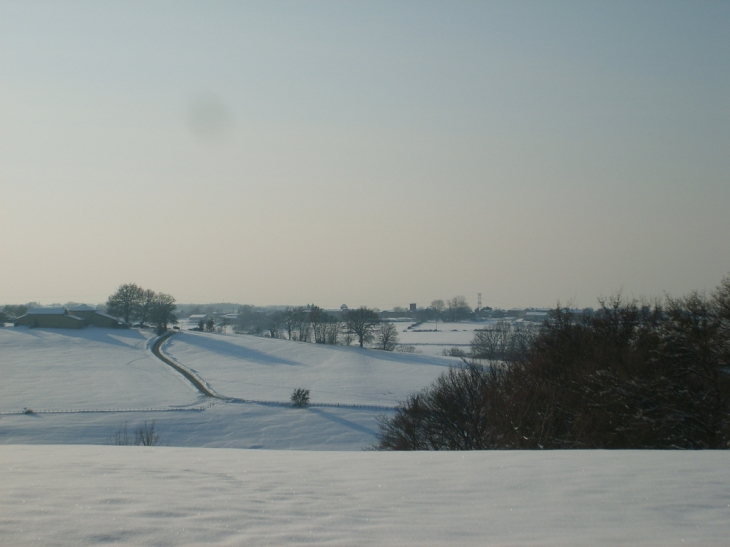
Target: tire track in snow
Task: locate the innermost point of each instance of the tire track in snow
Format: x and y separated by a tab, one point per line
189	375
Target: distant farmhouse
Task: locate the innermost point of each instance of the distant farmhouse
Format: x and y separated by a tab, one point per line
62	318
198	317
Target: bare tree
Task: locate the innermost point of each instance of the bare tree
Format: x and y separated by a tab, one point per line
333	331
318	319
289	321
362	323
457	412
125	301
387	336
147	299
162	312
503	341
458	309
348	337
438	308
146	435
302	326
273	324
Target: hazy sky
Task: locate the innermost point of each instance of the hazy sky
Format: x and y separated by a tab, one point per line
375	153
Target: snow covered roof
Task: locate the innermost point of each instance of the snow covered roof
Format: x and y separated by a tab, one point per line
82	307
48	311
108	316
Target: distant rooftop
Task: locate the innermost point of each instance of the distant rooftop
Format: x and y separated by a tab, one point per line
82	307
60	310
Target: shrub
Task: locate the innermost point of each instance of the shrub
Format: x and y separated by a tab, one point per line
145	435
459	411
405	349
121	436
300	397
453	352
503	341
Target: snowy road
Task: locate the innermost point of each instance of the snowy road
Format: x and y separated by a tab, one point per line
189	375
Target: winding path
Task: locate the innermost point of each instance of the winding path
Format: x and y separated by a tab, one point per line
189	375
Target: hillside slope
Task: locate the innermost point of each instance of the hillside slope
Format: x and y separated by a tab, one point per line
252	367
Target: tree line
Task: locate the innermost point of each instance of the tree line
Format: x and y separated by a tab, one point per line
131	302
312	323
631	375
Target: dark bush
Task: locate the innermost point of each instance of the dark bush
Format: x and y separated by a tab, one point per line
631	375
300	397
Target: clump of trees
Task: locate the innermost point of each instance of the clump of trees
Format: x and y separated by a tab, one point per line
133	303
631	375
452	310
312	323
504	341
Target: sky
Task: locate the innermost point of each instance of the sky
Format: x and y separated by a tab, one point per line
364	153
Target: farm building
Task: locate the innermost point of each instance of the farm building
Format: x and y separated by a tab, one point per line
96	318
197	318
53	318
62	318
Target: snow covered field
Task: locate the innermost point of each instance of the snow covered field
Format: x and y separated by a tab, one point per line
268	369
95	370
306	478
221	425
91	495
429	341
92	368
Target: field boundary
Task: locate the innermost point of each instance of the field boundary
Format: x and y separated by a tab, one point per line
310	405
30	412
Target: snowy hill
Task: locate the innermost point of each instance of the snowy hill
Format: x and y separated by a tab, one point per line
91	495
252	367
86	369
83	385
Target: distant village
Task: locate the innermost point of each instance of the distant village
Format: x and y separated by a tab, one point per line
223	315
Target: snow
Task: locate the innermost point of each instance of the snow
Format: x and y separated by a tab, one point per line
218	425
47	311
85	369
232	473
252	367
90	495
431	338
83	307
82	385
